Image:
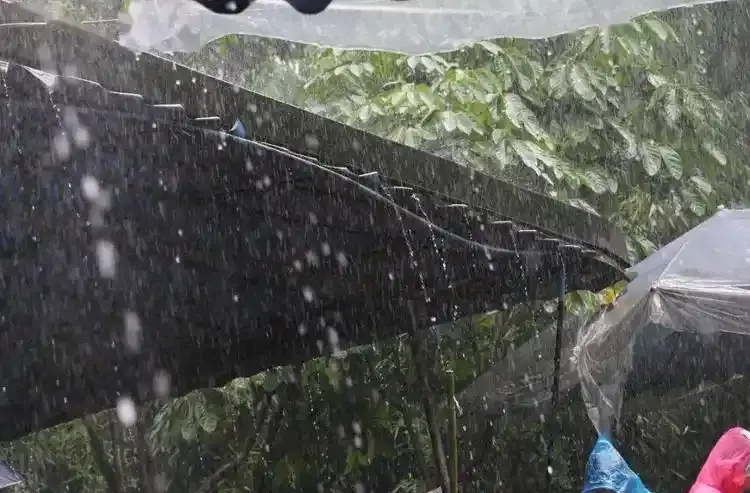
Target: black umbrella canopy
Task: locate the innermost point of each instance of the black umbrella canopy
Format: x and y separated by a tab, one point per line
148	250
683	320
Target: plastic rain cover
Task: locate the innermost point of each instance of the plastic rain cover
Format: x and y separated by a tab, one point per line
407	26
679	330
607	470
680	327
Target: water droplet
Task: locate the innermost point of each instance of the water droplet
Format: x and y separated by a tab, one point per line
126	411
107	258
132	331
90	188
161	383
308	293
341	259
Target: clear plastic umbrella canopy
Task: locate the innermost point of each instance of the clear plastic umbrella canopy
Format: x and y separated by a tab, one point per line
410	26
680	329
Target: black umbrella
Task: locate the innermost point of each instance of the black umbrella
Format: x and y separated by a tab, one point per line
140	241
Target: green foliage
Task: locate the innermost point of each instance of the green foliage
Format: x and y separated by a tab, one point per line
598	119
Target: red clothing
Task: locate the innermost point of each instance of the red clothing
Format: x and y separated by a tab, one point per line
724	470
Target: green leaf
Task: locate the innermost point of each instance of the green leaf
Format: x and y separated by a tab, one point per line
527	155
662	30
631	143
188	431
558	83
450	122
491	47
698	208
587	39
271	381
581	85
522	117
672	108
651	158
209	423
466	125
582	204
672	161
595	181
715	152
656	80
702	185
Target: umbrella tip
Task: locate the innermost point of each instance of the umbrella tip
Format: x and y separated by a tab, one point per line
8	476
238	130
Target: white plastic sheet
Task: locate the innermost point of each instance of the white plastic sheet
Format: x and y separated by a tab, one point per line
406	26
681	329
683	323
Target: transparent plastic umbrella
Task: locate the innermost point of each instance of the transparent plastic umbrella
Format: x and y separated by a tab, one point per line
406	26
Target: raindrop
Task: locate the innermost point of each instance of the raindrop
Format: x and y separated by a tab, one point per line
132	331
341	259
126	412
308	293
333	341
312	258
107	258
62	146
90	187
161	383
312	142
161	483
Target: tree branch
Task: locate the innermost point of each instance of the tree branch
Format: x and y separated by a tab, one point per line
260	440
438	453
108	472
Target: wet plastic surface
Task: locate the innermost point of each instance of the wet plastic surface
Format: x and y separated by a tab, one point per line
411	26
683	322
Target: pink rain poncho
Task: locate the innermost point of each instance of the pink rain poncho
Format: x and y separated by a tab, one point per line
724	470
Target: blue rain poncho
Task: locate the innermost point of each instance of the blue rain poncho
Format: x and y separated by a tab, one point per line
607	470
